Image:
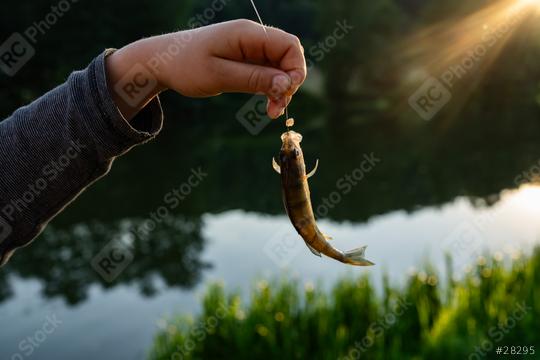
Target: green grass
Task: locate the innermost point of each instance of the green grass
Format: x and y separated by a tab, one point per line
492	305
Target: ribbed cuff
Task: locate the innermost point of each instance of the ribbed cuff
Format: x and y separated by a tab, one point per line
113	134
81	112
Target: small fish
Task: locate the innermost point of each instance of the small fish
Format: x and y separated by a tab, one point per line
297	202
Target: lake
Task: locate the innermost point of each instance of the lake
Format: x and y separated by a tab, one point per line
410	190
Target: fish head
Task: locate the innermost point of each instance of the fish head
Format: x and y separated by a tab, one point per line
290	148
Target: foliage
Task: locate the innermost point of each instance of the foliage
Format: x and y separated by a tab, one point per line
491	305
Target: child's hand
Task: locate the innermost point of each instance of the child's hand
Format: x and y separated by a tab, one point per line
234	56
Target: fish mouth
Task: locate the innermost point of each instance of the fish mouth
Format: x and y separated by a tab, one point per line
291	137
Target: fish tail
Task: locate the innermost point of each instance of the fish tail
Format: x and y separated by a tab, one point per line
356	257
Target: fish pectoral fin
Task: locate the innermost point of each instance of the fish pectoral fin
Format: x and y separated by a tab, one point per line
276	166
312	172
315	252
328	237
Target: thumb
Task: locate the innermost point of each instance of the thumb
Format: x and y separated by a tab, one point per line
254	79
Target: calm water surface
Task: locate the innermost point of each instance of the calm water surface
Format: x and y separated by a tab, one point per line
120	322
434	189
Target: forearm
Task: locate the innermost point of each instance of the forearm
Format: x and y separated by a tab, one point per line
55	147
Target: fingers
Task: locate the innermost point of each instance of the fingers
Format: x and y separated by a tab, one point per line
276	47
249	78
276	108
248	42
256	79
254	61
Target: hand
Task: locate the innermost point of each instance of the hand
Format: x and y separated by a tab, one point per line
234	56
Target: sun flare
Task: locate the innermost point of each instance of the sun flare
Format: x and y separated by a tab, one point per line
527	198
530	2
461	52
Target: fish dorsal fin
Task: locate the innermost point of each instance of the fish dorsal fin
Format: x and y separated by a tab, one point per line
315	252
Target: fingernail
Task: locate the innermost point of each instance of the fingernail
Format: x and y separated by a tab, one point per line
273	113
296	77
280	84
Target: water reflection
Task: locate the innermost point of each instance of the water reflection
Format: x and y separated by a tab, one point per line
528	199
419	165
61	258
396	240
235	246
433	169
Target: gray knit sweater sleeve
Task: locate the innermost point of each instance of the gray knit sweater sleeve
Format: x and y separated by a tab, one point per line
53	148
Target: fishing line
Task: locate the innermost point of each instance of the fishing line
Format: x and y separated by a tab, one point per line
264	28
259	17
